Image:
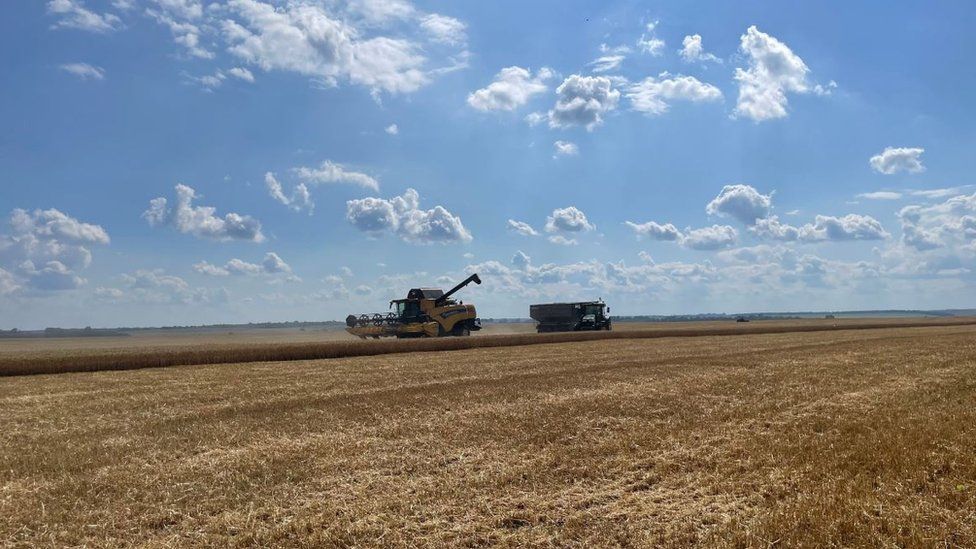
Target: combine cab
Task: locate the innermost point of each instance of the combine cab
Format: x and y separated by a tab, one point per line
426	312
571	317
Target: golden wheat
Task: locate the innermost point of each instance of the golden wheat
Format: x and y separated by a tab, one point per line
843	438
89	360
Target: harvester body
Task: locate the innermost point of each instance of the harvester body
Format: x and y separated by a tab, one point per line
571	317
426	312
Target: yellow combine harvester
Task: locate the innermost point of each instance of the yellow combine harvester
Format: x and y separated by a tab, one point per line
426	312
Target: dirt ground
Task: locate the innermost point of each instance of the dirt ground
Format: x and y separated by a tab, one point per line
845	438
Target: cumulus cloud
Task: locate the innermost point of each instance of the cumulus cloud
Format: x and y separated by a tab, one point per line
402	216
443	29
649	43
521	228
562	240
520	260
564	148
570	219
155	286
512	88
741	202
898	159
271	265
304	38
651	95
848	227
299	199
74	14
84	71
241	74
716	237
381	12
392	129
951	223
330	172
178	16
45	249
692	50
655	231
772	228
583	101
773	72
201	221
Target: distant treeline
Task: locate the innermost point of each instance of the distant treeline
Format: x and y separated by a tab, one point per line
62	332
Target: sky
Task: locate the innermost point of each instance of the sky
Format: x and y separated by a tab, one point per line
185	162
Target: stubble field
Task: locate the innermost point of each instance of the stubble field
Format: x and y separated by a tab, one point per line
846	438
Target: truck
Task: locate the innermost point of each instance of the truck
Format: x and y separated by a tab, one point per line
571	317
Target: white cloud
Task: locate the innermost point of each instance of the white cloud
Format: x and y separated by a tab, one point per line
185	33
562	240
512	88
651	95
771	228
583	101
73	14
155	286
402	215
948	224
381	12
880	195
271	265
535	118
649	43
520	260
655	231
938	193
201	221
741	202
774	70
848	227
84	71
45	248
443	29
241	73
570	219
304	38
330	172
692	50
715	237
606	63
521	228
392	129
898	159
299	199
564	148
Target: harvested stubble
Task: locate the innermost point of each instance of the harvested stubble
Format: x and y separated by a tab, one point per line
137	358
846	438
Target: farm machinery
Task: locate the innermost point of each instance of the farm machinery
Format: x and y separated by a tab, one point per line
571	317
426	312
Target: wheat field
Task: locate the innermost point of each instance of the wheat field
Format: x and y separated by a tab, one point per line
832	438
79	354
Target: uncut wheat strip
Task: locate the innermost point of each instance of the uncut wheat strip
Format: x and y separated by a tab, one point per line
138	359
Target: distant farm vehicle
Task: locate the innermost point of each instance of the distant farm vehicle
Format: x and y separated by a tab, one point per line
571	317
426	312
742	319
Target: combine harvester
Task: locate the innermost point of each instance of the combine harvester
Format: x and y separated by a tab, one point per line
426	312
571	317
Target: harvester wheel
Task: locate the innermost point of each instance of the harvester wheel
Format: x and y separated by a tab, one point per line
363	319
378	319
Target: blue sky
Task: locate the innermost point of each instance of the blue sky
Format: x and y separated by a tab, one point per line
187	162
